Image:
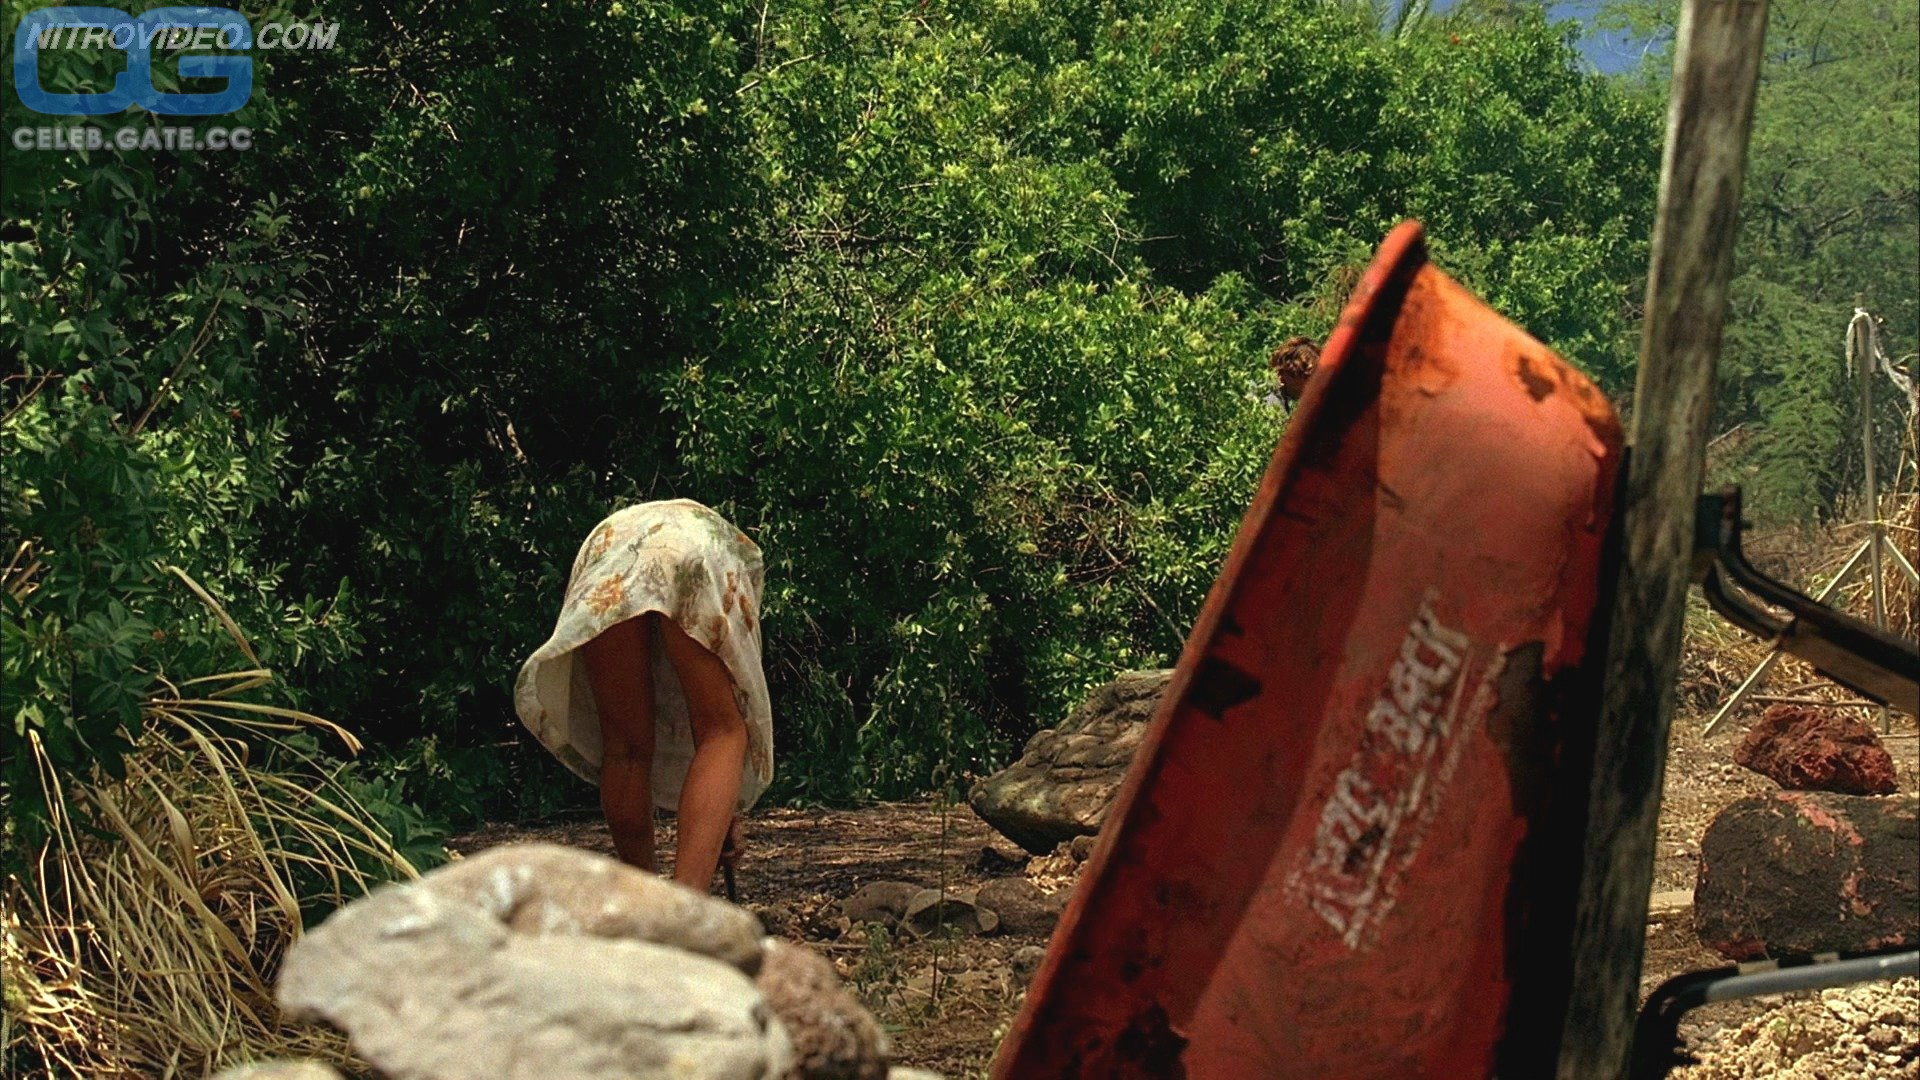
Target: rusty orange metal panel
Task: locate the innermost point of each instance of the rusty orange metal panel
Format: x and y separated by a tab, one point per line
1348	845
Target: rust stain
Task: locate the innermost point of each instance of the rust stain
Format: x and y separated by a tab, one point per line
1538	385
1219	686
1151	1045
1433	370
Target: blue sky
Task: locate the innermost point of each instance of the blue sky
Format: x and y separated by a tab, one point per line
1609	50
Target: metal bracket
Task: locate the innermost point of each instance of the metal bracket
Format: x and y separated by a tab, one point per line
1657	1046
1877	664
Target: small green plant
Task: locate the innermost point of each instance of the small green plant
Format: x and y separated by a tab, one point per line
879	963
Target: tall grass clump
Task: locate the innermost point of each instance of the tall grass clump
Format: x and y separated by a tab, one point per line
142	934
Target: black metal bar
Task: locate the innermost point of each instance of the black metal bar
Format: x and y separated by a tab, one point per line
1852	652
1657	1046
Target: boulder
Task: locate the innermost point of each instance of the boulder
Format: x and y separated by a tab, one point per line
279	1070
881	902
528	963
931	910
1026	960
1022	908
1065	781
1808	748
1798	872
834	1038
550	889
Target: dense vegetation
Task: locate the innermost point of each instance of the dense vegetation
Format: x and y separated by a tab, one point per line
1830	220
961	309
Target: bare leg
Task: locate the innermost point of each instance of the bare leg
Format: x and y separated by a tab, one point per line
620	669
712	789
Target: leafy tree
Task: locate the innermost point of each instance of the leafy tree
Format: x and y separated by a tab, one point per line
992	414
1281	141
961	309
516	248
138	295
1830	220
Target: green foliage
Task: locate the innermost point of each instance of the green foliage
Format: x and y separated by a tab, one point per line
139	297
1830	220
454	784
1280	141
270	386
993	417
512	264
961	310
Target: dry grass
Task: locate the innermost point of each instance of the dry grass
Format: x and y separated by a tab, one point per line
1901	513
1718	656
144	938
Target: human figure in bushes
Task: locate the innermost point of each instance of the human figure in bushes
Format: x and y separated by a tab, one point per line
1292	364
651	684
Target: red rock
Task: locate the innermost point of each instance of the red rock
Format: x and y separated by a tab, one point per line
1808	748
1795	873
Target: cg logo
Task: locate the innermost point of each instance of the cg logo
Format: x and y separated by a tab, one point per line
136	36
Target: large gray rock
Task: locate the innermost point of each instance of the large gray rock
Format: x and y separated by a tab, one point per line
1023	908
834	1037
279	1070
1064	783
881	902
550	889
481	972
933	911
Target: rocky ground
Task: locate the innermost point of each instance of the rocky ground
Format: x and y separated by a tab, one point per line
944	999
947	999
1864	1033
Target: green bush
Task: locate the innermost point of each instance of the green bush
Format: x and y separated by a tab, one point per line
961	309
141	295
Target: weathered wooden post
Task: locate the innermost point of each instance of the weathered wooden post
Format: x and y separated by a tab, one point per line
1717	58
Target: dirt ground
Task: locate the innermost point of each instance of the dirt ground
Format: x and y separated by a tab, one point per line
1806	1036
948	1002
797	862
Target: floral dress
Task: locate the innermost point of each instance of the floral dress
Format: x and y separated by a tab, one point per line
685	561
